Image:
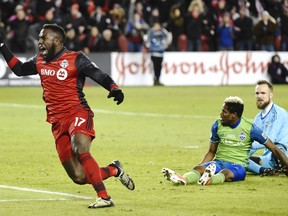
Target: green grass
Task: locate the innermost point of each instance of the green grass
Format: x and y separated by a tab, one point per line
176	136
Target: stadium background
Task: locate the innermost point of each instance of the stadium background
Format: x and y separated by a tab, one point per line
154	127
196	20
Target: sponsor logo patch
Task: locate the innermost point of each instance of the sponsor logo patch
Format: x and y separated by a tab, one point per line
62	74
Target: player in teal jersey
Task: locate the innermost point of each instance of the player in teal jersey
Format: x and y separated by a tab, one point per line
228	154
273	120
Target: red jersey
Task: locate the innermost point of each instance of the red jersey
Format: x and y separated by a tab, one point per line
63	79
62	85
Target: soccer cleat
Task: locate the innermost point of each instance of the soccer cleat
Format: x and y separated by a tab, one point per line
269	172
285	170
102	203
207	175
173	177
124	178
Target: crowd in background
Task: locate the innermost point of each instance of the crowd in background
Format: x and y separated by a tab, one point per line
119	25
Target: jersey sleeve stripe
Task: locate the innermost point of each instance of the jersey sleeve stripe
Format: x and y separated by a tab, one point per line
13	62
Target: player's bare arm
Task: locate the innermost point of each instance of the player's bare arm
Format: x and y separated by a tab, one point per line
277	152
211	153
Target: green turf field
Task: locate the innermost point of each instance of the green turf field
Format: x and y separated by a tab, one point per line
154	128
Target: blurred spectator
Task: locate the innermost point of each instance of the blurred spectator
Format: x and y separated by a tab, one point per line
75	18
243	28
111	14
157	40
108	43
273	7
18	30
214	14
175	25
118	20
42	6
225	33
82	36
146	10
2	30
135	29
66	6
234	14
220	8
7	9
100	19
277	71
36	27
194	24
225	5
71	40
93	41
284	26
265	31
155	17
163	7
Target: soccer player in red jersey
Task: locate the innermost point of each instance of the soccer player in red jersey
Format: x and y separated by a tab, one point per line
62	73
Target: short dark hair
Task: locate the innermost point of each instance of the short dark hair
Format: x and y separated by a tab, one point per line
58	29
234	105
262	82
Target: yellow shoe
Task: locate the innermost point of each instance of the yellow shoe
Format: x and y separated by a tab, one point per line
102	203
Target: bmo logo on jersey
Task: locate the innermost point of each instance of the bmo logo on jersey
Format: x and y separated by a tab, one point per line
61	74
47	72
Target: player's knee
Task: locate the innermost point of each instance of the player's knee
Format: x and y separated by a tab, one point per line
78	178
80	144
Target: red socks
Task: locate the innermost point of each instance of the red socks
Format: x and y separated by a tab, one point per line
108	171
93	174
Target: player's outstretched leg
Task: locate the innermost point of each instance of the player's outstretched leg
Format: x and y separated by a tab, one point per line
173	177
123	177
102	203
207	175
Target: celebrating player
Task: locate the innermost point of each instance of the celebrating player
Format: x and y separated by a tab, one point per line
62	74
228	154
273	120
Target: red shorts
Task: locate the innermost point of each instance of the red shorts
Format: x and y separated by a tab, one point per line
78	122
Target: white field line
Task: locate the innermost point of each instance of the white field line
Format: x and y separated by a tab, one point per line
46	192
143	114
32	200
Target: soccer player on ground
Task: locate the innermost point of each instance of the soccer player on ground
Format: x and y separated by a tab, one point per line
273	120
228	154
62	73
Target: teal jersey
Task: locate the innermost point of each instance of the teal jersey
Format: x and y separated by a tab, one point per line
275	125
234	142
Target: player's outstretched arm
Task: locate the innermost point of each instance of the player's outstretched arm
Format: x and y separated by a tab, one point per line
14	63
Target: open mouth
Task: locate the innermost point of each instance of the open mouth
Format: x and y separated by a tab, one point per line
42	50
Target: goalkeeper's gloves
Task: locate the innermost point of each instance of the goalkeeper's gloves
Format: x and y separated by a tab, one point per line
117	94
